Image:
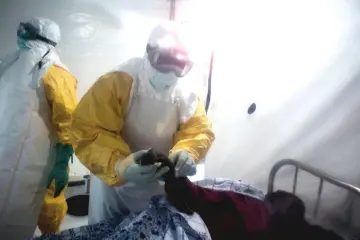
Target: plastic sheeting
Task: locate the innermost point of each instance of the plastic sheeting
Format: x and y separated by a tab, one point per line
299	61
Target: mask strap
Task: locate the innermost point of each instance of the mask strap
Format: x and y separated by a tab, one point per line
40	63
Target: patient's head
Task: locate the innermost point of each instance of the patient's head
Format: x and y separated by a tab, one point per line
288	219
285	208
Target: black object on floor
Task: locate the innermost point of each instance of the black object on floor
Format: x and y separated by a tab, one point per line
78	205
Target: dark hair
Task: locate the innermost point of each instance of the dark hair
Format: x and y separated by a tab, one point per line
288	220
295	207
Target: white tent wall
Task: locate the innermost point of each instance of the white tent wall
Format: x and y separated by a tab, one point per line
299	61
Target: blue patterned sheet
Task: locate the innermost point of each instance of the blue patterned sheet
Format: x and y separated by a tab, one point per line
159	221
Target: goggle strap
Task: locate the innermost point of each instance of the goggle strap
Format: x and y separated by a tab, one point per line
46	40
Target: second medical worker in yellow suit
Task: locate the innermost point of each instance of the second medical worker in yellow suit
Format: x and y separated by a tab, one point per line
138	106
60	91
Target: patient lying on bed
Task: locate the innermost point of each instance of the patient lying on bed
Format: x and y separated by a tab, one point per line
244	214
209	209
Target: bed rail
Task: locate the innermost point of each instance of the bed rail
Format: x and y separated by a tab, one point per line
315	172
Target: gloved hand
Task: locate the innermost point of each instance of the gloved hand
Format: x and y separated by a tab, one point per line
184	164
59	173
141	174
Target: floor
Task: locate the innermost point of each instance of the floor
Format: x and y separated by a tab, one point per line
72	222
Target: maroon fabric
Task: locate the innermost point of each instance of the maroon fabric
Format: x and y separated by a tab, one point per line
228	215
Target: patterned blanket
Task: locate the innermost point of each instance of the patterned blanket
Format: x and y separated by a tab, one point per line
160	221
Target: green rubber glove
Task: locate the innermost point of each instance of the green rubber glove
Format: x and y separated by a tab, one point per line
59	173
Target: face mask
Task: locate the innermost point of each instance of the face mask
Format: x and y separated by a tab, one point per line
22	44
162	81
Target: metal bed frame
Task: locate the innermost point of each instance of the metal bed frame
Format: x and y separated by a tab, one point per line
313	171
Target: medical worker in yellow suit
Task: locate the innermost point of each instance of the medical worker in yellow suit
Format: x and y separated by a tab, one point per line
140	105
37	98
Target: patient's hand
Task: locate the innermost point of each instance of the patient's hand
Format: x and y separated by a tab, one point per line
177	189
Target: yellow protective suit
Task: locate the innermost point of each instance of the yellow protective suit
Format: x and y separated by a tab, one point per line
60	89
98	121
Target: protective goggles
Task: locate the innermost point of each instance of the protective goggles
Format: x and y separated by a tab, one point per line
169	60
27	31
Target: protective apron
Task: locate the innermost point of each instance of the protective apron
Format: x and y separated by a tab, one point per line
26	144
149	123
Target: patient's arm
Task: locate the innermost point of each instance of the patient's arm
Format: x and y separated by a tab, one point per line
228	215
